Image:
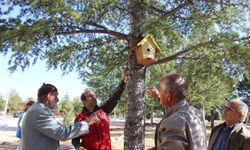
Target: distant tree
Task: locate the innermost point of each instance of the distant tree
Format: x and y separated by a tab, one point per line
103	85
120	109
153	76
209	85
65	97
2	103
67	109
77	104
14	100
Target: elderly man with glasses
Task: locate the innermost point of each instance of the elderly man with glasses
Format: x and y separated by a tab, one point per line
232	134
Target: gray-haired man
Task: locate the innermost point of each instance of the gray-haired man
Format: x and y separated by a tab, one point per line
183	126
232	134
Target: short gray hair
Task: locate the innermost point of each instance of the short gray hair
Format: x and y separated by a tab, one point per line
241	108
176	84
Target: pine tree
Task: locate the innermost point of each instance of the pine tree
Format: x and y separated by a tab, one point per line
94	37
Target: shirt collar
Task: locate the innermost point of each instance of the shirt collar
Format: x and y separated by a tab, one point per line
224	128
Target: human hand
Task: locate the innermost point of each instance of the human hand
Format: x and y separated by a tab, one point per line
94	119
125	74
81	148
153	92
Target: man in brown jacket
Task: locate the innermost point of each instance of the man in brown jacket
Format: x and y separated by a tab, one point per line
183	126
232	134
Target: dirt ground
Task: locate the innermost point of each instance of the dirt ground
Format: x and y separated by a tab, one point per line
8	141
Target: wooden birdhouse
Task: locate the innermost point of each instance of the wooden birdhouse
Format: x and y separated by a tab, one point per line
145	50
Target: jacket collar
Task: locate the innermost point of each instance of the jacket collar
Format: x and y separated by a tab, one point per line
213	137
42	105
87	111
178	106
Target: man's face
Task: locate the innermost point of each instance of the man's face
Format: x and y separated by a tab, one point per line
52	100
165	98
90	99
230	113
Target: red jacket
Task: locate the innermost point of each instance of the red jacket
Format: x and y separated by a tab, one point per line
98	137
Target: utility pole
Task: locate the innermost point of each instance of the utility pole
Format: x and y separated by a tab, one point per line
6	104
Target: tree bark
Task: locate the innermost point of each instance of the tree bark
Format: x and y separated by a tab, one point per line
212	118
134	125
134	132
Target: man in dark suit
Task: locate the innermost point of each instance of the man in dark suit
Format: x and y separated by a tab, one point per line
232	134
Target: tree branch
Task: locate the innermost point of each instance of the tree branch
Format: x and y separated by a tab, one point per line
189	49
95	25
97	44
243	38
193	58
204	58
90	23
173	11
180	54
117	34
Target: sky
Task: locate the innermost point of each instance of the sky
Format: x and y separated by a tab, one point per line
27	82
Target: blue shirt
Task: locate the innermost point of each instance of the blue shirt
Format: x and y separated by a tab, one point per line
221	139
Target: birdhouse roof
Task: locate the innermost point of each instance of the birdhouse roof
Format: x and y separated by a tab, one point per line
151	39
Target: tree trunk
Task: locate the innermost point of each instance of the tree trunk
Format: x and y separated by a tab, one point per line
134	125
212	118
152	119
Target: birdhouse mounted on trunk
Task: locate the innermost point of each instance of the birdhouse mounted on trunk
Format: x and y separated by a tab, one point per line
145	50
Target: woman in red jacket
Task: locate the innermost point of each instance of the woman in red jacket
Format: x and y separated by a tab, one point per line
98	137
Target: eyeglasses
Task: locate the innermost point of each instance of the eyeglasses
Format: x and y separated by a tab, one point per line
226	107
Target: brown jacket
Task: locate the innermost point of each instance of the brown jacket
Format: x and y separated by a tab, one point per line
182	128
239	138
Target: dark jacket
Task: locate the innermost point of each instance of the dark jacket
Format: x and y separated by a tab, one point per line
239	138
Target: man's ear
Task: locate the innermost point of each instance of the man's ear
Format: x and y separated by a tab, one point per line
240	115
46	100
49	95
